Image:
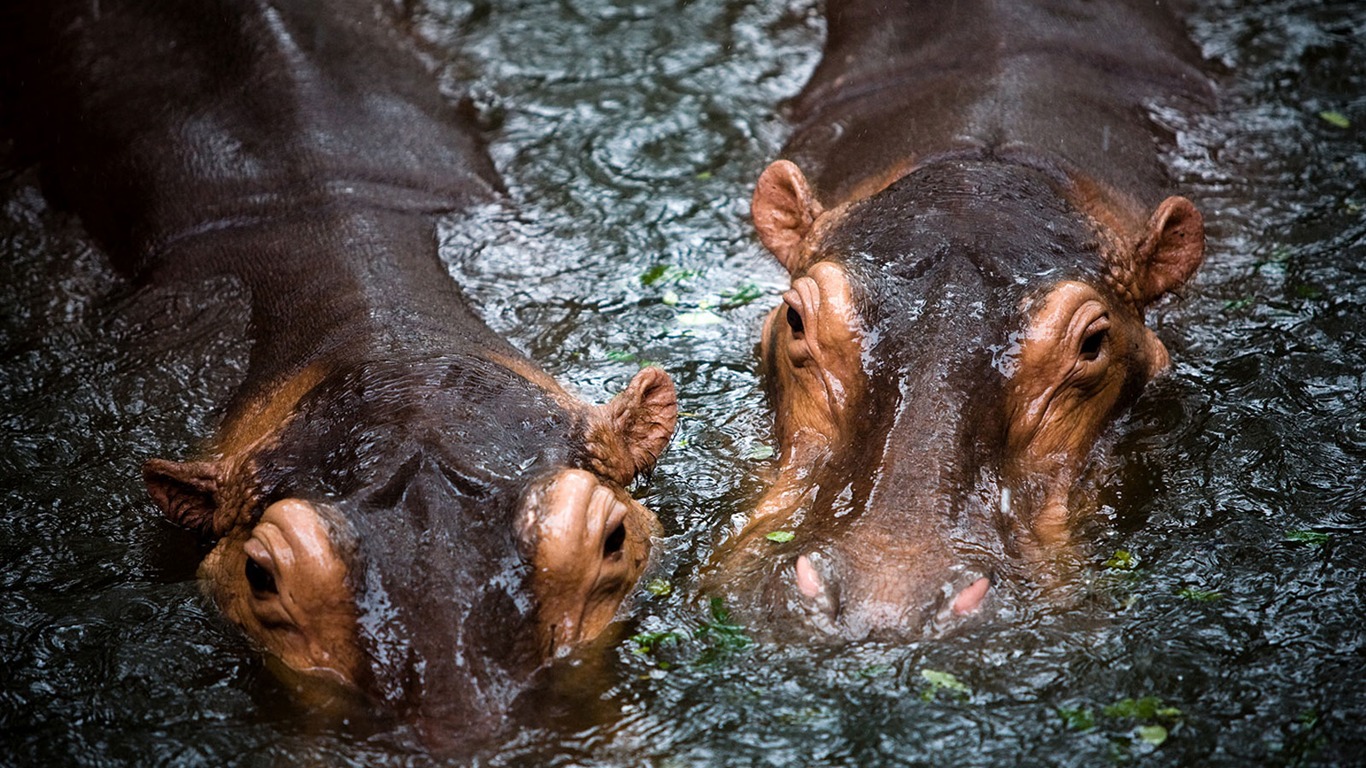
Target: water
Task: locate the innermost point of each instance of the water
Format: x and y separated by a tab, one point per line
631	135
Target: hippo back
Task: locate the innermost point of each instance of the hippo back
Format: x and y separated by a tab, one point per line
276	112
903	80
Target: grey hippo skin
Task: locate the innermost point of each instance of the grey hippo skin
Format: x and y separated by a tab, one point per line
975	217
399	502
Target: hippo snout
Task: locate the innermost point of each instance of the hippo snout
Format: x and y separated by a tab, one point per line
855	602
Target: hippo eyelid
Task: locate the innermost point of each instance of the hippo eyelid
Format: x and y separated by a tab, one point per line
615	541
259	578
799	345
1093	339
1092	343
794	301
794	321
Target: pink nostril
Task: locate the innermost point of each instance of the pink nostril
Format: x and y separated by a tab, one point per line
968	600
808	580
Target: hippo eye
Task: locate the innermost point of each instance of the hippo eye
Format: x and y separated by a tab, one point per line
259	578
794	321
615	541
1090	346
1093	341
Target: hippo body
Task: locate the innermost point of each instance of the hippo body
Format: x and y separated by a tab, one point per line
975	216
399	501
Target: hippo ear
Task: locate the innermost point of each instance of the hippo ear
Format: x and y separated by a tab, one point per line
185	491
627	435
1171	250
784	210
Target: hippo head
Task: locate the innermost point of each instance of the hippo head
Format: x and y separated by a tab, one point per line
950	351
427	532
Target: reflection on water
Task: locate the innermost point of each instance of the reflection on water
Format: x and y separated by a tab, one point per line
631	135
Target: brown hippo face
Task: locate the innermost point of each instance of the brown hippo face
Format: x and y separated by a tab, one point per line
948	355
427	533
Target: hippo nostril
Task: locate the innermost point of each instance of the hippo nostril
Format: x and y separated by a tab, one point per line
615	541
971	597
809	581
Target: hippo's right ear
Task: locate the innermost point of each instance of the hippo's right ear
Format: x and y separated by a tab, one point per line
185	491
784	211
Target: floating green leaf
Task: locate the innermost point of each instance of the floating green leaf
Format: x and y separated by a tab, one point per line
745	294
942	681
649	642
1152	734
654	274
1312	538
700	317
723	633
666	273
1278	257
1121	560
1077	718
1233	305
1145	708
782	537
659	587
760	452
1199	595
622	356
874	670
1303	739
1335	119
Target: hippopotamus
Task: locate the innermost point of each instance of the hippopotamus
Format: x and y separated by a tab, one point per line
975	216
398	504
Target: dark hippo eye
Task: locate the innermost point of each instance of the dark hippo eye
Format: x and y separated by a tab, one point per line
259	578
615	541
794	321
1093	341
1090	346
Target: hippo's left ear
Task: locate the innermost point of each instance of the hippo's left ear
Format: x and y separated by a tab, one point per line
1170	251
784	210
186	491
627	435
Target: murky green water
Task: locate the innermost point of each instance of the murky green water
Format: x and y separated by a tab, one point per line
630	134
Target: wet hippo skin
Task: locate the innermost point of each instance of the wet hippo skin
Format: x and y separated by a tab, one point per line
975	218
398	500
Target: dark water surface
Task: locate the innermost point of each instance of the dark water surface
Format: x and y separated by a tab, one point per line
631	134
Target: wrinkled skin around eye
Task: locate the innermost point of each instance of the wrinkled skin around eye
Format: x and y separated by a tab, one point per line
284	582
1084	356
588	543
812	346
